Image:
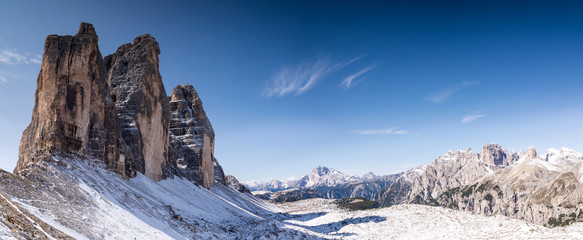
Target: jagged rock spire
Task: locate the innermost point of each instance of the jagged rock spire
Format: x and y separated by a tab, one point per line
86	28
493	154
71	113
116	109
74	111
192	138
531	152
140	99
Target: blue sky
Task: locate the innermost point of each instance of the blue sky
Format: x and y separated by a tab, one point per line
357	86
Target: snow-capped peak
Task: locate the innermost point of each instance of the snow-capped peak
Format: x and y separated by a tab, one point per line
369	176
320	176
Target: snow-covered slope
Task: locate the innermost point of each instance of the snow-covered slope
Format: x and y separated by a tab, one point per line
81	199
84	200
413	222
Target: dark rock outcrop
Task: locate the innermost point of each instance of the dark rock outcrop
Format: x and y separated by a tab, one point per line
233	183
370	189
493	154
292	195
192	138
140	99
219	173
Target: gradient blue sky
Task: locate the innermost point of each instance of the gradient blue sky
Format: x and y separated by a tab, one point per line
355	86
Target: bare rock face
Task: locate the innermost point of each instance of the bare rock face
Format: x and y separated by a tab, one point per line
531	153
116	109
219	173
140	99
425	184
72	110
192	138
493	154
233	183
539	189
75	113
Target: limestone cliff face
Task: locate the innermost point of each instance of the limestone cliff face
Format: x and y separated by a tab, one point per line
116	109
140	99
72	112
540	189
493	154
543	189
192	138
425	184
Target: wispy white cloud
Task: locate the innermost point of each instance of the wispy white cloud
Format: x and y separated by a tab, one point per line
36	60
12	57
5	76
383	131
445	94
302	77
347	82
472	117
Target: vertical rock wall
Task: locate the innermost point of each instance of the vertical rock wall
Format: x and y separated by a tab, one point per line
72	111
116	109
142	107
192	138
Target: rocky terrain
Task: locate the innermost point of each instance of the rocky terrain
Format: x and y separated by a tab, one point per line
116	109
94	116
540	189
192	138
233	183
291	195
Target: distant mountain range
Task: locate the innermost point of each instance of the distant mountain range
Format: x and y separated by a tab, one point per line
319	177
329	182
543	189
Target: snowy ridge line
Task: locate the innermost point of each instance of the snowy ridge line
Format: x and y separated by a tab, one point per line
236	206
27	217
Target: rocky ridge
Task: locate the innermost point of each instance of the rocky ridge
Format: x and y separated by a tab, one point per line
543	189
425	183
318	177
191	137
233	183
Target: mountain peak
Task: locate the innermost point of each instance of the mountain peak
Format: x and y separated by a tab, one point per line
369	176
321	171
116	110
493	154
531	152
86	28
